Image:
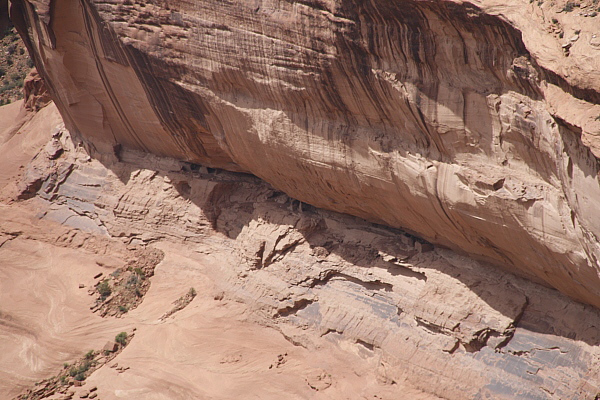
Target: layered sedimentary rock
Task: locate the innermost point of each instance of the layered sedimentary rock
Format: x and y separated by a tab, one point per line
409	313
473	125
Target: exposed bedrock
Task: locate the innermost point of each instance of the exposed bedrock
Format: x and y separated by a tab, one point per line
448	325
469	125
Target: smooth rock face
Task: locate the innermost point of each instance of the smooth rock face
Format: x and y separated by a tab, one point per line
466	124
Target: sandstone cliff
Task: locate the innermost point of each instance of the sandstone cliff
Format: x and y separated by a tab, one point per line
471	125
367	311
474	125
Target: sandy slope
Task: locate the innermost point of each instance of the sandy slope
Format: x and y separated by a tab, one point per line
45	318
213	349
210	350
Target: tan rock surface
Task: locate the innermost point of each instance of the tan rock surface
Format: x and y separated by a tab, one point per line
214	348
293	301
46	321
473	125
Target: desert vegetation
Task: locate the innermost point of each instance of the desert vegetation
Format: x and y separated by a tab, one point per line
15	64
73	374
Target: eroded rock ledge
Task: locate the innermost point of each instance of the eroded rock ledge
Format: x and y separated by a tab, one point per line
448	325
466	123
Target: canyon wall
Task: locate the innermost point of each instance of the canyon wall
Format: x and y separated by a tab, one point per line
473	125
401	313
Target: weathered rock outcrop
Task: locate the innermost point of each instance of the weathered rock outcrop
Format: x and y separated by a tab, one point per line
472	124
414	313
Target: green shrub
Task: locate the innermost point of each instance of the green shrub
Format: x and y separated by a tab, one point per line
123	309
80	377
133	280
121	338
104	289
85	366
89	355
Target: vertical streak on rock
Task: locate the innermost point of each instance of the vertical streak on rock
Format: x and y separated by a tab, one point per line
404	113
91	26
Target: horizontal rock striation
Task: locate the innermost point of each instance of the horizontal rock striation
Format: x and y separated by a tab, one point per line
448	325
469	124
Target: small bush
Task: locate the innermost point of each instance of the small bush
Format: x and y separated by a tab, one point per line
104	289
7	86
133	280
121	338
89	355
80	377
64	380
87	364
570	6
123	309
73	371
192	292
